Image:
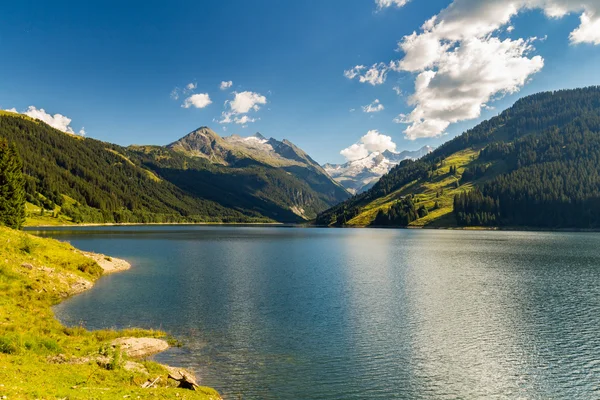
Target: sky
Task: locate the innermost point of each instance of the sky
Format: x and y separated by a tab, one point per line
339	78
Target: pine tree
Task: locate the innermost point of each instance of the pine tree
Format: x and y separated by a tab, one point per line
12	187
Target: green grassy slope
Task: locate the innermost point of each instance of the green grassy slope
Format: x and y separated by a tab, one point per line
35	348
553	138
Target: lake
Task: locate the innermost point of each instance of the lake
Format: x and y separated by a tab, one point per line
302	313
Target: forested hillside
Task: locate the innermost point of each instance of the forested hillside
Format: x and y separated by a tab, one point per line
536	164
70	178
265	190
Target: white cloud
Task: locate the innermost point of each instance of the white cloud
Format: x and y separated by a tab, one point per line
375	75
230	118
374	107
243	102
397	90
354	152
467	78
373	141
225	118
477	18
588	31
225	85
388	3
243	120
354	71
199	100
421	51
57	121
401	119
187	89
459	64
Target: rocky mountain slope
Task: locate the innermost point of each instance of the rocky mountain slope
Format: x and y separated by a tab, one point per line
308	187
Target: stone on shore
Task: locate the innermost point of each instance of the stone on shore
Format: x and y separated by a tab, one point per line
140	347
186	379
108	264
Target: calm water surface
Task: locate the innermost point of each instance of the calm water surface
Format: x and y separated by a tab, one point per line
281	313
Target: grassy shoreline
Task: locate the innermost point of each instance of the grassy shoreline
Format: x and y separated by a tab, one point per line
41	358
29	227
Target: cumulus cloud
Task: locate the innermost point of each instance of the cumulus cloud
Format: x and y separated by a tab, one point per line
191	86
199	100
373	141
465	79
57	121
588	31
460	65
381	4
226	85
243	102
397	90
374	107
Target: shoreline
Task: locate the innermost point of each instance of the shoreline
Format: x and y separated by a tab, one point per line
32	228
136	348
470	229
41	357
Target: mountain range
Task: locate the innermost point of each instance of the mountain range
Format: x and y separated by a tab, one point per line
360	175
200	178
536	164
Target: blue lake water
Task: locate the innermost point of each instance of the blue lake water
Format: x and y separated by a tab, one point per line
289	313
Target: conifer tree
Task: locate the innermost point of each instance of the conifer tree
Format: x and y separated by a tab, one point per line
12	187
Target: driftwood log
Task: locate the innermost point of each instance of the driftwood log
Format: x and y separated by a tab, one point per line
186	380
148	384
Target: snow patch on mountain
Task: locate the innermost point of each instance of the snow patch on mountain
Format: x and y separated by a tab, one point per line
360	175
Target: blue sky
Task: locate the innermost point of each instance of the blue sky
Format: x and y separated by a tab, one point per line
112	67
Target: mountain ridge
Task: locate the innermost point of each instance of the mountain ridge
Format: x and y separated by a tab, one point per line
358	176
86	180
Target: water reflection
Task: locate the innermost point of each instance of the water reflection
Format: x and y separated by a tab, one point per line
348	314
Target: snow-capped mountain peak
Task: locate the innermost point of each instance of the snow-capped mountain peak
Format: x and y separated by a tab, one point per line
360	175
